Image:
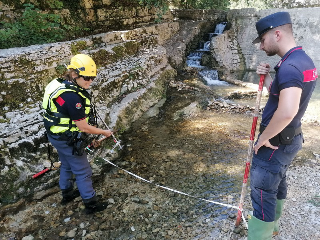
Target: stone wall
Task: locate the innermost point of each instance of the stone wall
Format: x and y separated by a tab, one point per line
132	74
194	25
97	16
134	67
234	49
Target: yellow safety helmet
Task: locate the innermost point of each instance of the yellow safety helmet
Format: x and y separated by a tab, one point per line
84	65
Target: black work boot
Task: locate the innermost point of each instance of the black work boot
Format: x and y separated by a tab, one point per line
92	205
68	195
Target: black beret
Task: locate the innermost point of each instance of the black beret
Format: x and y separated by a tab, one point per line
270	22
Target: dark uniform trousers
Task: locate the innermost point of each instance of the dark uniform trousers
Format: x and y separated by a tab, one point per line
73	164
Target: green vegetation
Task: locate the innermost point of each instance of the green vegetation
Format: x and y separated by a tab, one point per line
33	27
37	27
78	46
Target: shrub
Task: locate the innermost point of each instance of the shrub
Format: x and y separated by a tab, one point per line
33	27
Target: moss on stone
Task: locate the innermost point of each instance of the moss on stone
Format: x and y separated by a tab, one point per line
97	41
77	47
9	187
103	57
60	69
149	41
25	64
15	94
132	47
119	51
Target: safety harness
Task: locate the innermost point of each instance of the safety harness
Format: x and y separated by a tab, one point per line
54	121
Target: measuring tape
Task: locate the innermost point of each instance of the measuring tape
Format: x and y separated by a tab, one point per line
179	192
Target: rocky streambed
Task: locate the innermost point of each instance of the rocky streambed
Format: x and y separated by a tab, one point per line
195	141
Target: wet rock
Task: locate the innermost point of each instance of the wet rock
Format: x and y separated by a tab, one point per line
72	233
135	199
12	208
43	194
30	237
143	201
237	230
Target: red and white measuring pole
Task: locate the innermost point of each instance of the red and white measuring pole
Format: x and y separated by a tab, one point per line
41	172
250	149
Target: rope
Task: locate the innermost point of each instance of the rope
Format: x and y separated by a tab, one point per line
179	192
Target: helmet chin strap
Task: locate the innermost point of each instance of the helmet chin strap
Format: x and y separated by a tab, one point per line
75	82
73	79
77	71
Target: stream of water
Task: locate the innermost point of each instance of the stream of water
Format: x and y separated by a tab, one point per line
210	76
194	58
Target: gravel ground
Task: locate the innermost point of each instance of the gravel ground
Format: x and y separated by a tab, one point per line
195	143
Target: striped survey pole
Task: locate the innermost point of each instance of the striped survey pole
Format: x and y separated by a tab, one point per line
250	150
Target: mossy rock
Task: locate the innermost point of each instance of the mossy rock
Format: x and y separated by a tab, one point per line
104	57
77	47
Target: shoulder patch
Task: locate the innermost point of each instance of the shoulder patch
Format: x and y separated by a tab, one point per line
60	101
78	105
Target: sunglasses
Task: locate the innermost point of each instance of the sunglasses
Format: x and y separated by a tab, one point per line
87	78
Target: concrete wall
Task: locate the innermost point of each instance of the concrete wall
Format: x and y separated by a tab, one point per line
234	50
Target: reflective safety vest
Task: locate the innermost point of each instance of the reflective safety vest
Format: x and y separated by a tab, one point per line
54	121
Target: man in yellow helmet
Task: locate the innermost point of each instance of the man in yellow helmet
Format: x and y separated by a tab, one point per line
67	105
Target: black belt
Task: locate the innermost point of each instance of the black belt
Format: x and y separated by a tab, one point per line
285	136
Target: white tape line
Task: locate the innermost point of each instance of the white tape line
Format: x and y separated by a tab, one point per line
176	191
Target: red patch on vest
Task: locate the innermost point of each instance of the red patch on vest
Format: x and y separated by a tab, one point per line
60	101
78	105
